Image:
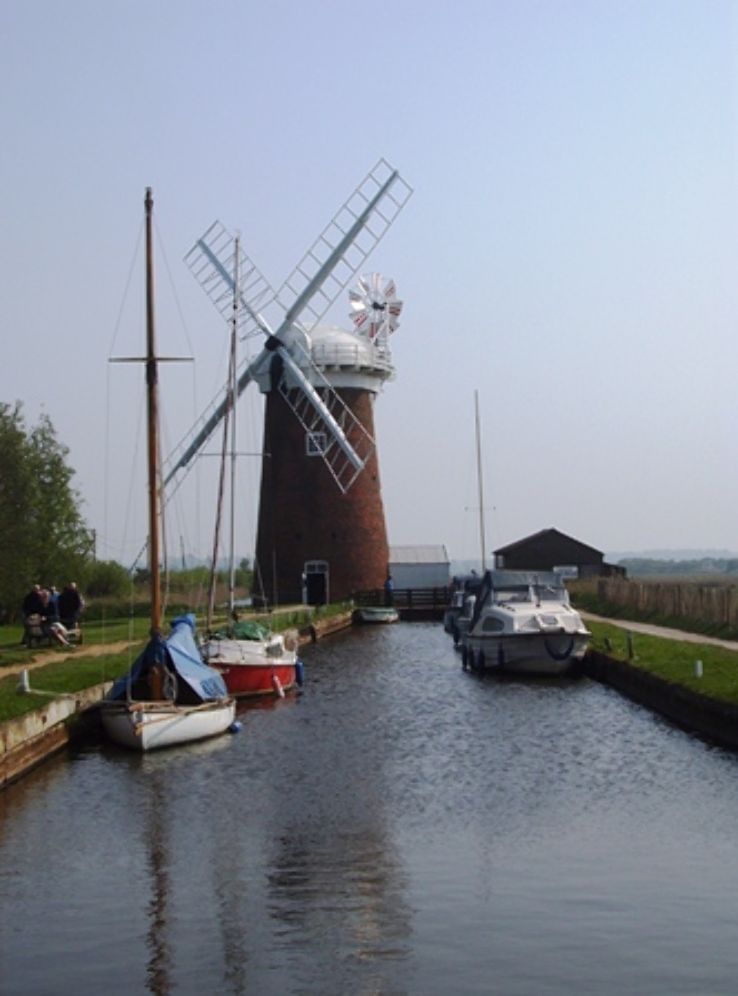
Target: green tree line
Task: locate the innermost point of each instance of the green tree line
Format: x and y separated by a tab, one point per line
646	566
44	538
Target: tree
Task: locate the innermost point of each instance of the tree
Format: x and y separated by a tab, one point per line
244	576
43	536
106	578
16	503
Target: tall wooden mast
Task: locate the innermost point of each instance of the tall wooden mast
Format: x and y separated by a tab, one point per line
152	423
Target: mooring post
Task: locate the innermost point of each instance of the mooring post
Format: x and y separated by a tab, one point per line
629	638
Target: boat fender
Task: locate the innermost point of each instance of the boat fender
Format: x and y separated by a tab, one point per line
299	672
277	685
236	726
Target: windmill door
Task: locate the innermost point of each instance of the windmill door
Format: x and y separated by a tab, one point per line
316	582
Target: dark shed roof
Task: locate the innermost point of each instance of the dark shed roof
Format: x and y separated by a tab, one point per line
550	535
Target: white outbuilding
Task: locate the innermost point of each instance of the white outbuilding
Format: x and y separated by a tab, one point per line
419	566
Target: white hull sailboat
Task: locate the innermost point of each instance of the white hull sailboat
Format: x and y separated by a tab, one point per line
147	726
169	696
191	703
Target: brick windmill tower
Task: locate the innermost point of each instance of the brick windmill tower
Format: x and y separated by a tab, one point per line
321	531
317	540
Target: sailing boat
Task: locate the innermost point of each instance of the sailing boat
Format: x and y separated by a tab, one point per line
169	696
251	659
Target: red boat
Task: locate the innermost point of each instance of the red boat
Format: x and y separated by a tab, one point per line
262	664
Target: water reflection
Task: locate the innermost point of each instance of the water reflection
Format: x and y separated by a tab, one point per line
399	827
154	809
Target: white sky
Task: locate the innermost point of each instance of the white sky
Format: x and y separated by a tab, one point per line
570	250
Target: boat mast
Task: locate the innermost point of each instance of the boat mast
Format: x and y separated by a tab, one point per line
152	424
233	393
479	479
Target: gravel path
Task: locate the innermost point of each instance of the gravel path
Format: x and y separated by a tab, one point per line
662	631
85	650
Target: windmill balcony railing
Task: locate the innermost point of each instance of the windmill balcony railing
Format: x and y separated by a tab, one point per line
363	356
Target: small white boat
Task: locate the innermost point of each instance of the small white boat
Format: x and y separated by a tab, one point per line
376	614
169	696
523	623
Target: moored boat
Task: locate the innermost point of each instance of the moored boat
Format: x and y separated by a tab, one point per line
169	696
458	610
376	614
251	659
254	661
524	623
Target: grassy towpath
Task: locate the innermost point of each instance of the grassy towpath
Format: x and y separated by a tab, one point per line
50	656
663	632
671	655
55	671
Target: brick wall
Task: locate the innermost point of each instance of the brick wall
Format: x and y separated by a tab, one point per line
304	516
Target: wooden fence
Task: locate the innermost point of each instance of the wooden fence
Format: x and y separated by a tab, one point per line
712	604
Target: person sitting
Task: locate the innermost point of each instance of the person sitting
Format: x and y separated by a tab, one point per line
33	603
70	606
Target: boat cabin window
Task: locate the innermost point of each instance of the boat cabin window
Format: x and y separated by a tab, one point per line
552	593
522	594
531	593
492	625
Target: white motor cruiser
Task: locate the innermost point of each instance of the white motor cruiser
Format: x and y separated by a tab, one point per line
523	623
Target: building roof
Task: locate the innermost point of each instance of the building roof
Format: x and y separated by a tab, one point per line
539	535
418	555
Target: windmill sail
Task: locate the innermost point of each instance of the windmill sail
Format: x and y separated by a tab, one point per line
301	302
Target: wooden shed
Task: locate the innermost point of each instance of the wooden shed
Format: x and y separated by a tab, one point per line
550	548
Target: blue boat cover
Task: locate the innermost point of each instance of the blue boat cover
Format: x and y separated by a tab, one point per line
180	654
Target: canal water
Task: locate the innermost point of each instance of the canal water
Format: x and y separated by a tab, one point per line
398	827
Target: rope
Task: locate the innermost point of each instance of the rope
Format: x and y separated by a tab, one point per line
555	656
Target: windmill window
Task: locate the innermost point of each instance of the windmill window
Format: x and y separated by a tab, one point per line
315	443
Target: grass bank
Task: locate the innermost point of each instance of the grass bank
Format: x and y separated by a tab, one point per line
90	664
673	660
58	678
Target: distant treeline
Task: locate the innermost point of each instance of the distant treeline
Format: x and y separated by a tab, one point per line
646	567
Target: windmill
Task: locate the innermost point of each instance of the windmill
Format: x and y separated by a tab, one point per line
318	401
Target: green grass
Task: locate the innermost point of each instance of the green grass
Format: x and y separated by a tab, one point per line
79	671
135	628
673	660
60	677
